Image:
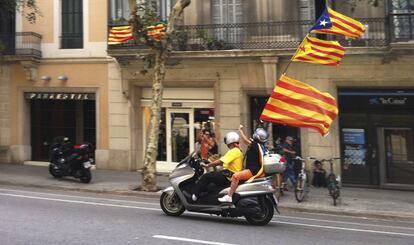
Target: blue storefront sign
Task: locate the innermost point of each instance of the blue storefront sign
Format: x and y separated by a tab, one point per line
353	136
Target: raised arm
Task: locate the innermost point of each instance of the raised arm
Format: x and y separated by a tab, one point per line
244	138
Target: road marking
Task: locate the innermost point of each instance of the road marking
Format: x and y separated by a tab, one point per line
86	197
190	240
157	209
343	228
356	217
79	202
345	222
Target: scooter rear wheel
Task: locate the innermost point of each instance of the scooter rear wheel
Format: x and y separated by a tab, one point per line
264	217
86	176
171	204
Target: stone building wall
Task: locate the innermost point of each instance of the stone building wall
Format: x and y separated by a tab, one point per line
4	113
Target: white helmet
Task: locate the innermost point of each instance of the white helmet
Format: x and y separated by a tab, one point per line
260	135
231	137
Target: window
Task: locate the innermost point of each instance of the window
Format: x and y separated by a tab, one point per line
72	24
119	12
227	11
402	19
164	9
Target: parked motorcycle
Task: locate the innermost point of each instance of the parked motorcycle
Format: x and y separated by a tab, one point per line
67	159
254	200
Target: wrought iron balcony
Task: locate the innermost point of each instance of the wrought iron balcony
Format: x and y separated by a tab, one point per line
266	35
21	44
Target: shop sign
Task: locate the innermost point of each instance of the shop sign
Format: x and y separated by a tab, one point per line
177	104
60	96
387	101
353	140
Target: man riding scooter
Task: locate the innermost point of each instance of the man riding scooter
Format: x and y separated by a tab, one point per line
232	162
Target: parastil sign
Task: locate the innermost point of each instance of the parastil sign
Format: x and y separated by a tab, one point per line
60	96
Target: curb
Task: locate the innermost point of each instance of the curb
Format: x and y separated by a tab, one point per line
282	207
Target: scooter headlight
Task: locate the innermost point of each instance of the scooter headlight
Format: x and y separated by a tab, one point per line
182	166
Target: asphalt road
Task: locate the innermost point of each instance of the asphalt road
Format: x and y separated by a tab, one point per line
37	216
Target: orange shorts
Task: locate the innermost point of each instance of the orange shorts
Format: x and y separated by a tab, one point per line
242	175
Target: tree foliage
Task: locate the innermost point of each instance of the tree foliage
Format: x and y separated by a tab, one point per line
27	7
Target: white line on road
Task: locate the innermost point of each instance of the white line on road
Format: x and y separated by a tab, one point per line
157	209
79	202
345	229
86	197
190	240
344	222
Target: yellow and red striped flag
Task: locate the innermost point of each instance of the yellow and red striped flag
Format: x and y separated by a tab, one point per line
120	34
332	22
316	51
298	104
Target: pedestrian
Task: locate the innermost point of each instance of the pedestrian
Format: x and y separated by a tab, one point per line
205	143
290	154
319	175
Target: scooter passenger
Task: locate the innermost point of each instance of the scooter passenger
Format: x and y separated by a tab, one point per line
253	161
232	162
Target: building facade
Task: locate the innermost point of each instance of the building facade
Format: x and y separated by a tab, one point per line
54	79
227	58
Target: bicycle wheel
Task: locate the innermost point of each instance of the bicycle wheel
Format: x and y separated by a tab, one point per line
302	189
333	192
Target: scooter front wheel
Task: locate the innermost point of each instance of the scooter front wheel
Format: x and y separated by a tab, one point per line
55	172
171	204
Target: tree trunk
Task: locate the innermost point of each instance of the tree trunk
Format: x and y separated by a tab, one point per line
149	180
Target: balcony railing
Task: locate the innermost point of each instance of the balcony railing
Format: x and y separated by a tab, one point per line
22	44
266	35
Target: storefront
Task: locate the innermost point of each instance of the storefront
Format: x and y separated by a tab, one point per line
377	140
72	115
185	111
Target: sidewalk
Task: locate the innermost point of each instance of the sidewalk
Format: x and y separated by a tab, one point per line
388	204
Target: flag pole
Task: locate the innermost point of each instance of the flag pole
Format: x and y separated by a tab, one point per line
296	52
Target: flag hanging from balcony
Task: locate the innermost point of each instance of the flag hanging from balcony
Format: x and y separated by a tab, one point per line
316	51
298	104
120	34
332	22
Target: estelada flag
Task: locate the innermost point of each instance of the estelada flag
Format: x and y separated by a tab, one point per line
120	34
298	104
316	51
332	22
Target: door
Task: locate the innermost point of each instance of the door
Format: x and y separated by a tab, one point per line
397	165
180	135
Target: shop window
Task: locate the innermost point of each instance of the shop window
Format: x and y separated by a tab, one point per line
52	118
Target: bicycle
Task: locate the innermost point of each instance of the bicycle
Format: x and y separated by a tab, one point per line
302	183
333	180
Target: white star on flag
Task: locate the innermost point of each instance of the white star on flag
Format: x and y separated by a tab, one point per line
323	23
